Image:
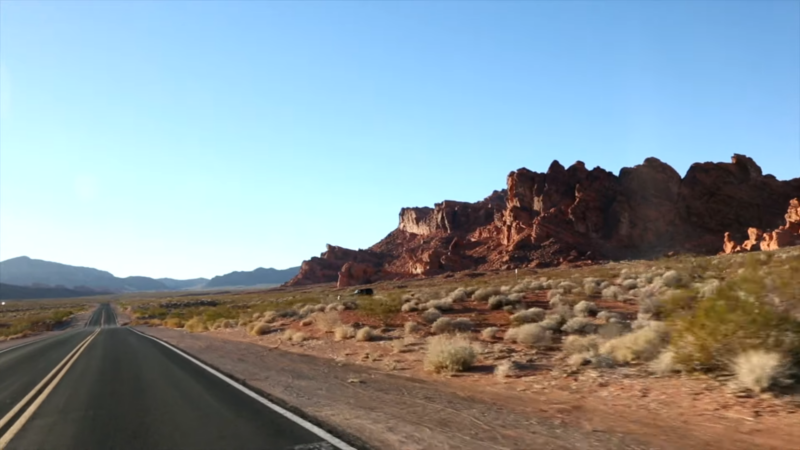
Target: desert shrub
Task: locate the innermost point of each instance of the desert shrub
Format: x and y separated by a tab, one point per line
709	288
505	290
256	315
431	315
269	316
382	308
528	316
299	337
553	322
319	307
758	370
606	316
507	368
305	310
585	308
591	289
173	322
449	354
351	305
641	345
195	325
410	307
521	288
458	295
288	333
556	301
673	279
516	298
343	332
442	325
532	334
259	329
709	332
554	292
365	334
471	290
444	304
579	325
630	284
562	310
334	307
489	333
483	294
536	286
664	364
462	324
411	328
327	321
306	322
612	293
581	344
605	285
499	301
613	330
567	286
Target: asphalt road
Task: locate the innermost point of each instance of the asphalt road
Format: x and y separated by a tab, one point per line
124	390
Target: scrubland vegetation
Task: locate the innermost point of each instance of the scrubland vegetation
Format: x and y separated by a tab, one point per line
20	319
737	315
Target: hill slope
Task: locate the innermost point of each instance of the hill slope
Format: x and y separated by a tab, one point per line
253	278
13	292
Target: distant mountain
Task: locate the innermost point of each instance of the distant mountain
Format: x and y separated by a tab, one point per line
253	278
184	284
27	272
13	292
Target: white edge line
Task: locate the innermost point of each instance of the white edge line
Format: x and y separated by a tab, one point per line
289	415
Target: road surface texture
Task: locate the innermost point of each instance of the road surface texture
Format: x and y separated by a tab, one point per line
125	390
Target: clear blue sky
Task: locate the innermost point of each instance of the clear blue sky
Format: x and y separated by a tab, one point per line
187	139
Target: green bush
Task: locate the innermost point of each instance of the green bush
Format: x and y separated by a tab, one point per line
708	333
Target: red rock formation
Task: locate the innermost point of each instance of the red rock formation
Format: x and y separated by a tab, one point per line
566	215
784	236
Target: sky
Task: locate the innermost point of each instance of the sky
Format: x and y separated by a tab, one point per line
187	139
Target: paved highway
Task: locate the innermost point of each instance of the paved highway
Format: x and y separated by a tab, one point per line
109	387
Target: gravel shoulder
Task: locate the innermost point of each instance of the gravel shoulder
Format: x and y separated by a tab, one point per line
77	321
391	411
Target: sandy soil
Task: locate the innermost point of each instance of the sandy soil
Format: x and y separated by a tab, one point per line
382	396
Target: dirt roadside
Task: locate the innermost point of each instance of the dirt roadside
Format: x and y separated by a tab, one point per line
389	411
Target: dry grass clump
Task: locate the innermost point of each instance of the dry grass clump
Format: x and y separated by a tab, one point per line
462	324
516	298
641	345
567	286
334	307
431	315
288	333
365	334
613	330
528	316
327	321
306	322
442	325
499	301
673	279
299	337
579	325
173	322
581	344
269	316
664	364
553	322
195	325
483	294
585	308
612	292
507	368
758	370
412	328
410	307
444	304
449	354
532	334
591	289
489	333
343	332
608	316
630	284
458	295
552	293
259	329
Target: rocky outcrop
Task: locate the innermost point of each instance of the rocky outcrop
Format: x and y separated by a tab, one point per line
784	236
571	214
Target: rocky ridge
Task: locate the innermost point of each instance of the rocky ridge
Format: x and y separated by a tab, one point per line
571	215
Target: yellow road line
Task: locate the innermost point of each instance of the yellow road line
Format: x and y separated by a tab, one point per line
24	418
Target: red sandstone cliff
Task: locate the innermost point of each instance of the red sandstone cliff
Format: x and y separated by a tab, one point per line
568	215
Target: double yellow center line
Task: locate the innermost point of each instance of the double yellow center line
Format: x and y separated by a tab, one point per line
43	389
